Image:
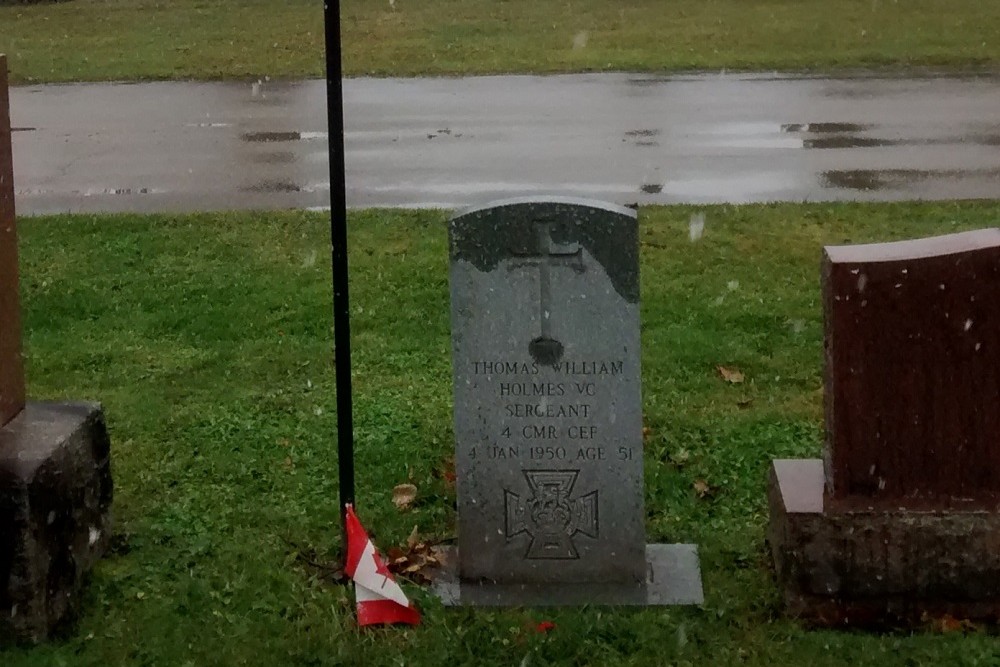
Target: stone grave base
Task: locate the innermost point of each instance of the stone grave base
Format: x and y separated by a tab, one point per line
674	578
878	567
55	499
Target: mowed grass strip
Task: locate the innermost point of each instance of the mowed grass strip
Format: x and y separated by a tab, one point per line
96	40
208	339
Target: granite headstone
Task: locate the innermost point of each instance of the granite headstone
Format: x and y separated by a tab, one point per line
55	466
11	366
548	412
902	516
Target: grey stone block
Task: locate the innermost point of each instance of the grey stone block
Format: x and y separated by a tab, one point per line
55	500
673	577
548	418
548	412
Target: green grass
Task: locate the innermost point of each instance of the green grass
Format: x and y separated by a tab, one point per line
208	340
89	40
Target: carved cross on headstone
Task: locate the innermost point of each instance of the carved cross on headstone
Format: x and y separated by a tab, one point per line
545	349
11	365
550	517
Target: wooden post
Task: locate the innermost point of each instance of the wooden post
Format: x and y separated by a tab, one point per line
11	363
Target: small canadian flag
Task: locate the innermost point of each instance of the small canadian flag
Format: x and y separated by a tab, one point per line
380	599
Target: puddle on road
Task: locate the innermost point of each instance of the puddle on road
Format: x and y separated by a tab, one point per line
826	128
846	135
271	137
873	180
642	133
644	138
285	186
277	157
865	180
268	137
446	132
838	135
121	191
849	141
652	188
269	187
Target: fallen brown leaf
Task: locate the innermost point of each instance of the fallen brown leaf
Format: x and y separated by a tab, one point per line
730	375
415	562
948	623
446	472
413	539
403	496
702	488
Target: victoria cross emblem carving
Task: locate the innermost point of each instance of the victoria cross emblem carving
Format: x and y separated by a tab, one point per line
550	516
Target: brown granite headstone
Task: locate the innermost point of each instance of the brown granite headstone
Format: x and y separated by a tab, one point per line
55	466
11	366
913	372
901	518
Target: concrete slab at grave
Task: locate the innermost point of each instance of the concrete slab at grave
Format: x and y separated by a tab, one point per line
55	471
548	413
901	518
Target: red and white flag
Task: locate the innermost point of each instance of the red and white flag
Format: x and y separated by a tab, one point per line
380	599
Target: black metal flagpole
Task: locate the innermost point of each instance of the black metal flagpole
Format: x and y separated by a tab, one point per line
338	238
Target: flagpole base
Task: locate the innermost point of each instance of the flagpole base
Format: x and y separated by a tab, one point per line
674	578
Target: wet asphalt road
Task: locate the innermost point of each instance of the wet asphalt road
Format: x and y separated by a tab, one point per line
453	142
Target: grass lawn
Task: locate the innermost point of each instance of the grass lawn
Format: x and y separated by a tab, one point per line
208	339
91	40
